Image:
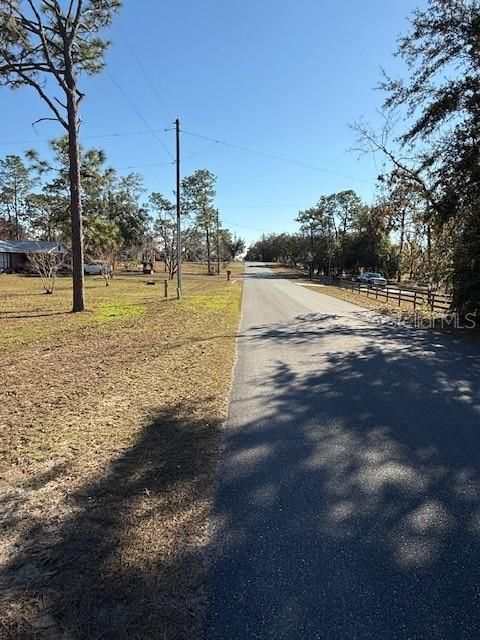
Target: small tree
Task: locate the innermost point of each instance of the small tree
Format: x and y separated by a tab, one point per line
107	260
198	193
233	244
166	229
47	265
41	41
103	239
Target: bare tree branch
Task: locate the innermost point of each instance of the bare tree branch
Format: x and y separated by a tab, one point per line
380	143
62	104
46	51
45	97
47	265
76	20
43	120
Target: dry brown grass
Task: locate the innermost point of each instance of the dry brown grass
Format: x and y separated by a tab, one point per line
403	311
110	435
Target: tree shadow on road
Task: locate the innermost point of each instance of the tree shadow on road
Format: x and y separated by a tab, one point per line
350	507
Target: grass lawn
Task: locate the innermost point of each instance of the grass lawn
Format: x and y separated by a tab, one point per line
110	425
201	268
188	268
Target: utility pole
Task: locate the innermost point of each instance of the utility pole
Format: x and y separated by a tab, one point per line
218	246
179	229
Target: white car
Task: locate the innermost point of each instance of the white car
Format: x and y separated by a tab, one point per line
375	279
94	268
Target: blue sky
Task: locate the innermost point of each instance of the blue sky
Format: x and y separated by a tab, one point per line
281	77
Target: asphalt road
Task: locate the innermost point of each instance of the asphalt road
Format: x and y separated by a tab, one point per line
348	498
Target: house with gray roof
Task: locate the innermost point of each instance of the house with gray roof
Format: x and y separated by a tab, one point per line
14	253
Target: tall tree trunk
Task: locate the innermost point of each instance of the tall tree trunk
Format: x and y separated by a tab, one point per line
429	261
208	249
17	227
75	205
330	257
310	264
429	248
402	240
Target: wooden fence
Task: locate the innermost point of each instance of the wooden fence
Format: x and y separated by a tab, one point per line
435	301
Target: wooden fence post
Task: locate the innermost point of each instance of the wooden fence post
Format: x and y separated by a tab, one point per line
415	299
165	290
399	296
387	295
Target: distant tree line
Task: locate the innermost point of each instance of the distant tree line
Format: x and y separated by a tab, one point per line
119	217
342	235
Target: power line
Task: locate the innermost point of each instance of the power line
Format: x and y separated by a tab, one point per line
139	114
151	131
88	137
149	80
105	135
142	166
273	157
144	71
197	153
244	226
